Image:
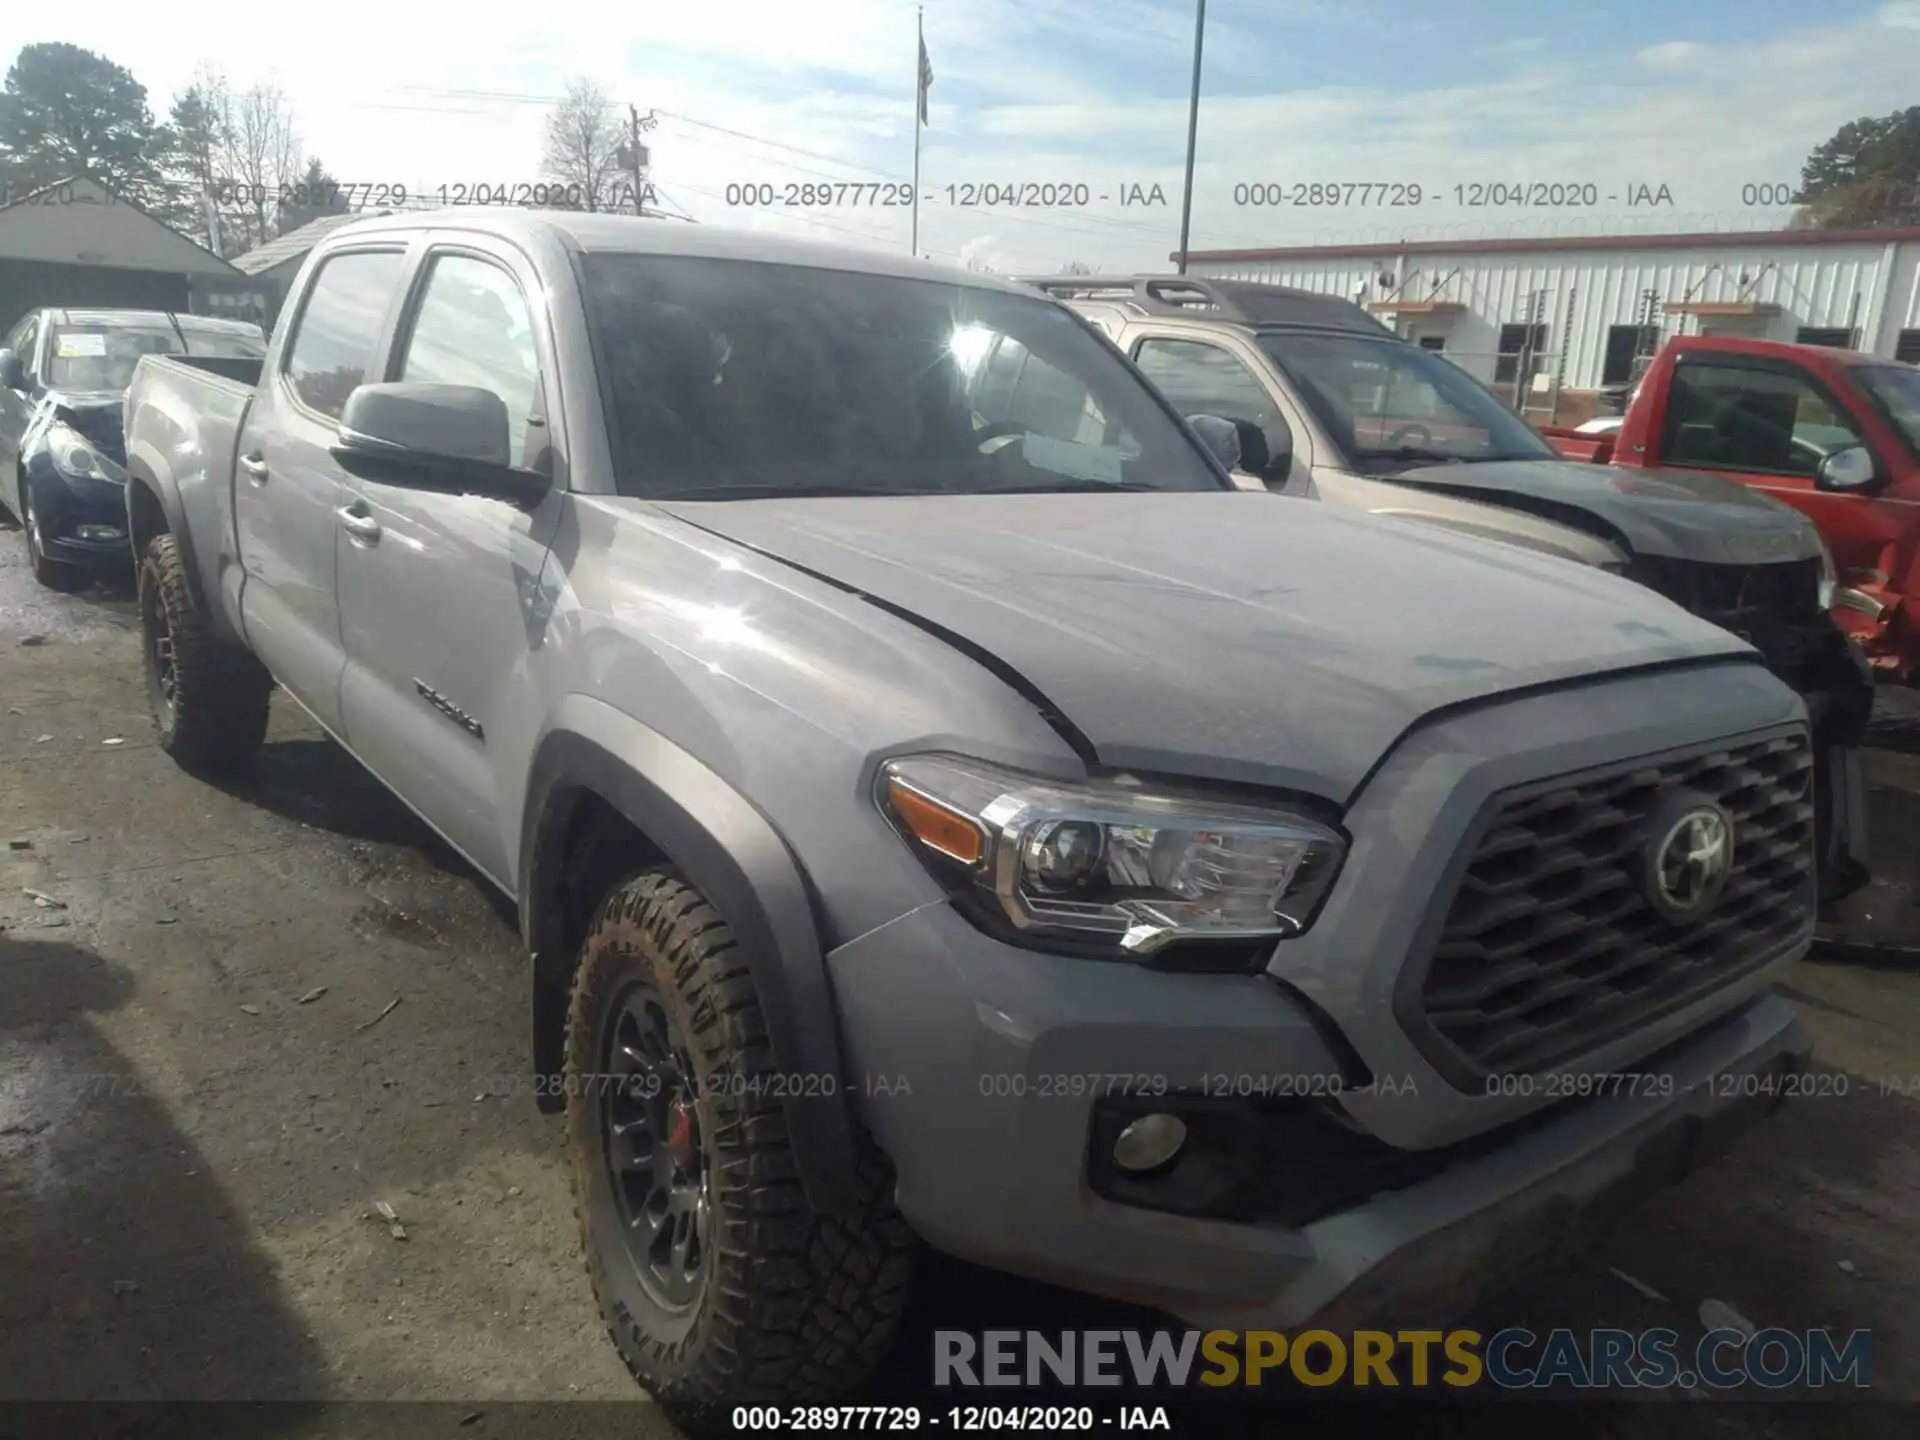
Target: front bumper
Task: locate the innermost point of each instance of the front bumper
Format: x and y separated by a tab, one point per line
986	1109
63	504
982	1070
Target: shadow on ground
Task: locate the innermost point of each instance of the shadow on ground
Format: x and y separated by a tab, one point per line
125	1272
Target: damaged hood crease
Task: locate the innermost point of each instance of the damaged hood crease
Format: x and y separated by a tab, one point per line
1236	637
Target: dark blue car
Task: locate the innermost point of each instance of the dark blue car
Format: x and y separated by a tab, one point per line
63	377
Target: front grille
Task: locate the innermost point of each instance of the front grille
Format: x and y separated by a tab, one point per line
1550	947
1740	598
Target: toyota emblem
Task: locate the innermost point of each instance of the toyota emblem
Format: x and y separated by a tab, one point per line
1690	861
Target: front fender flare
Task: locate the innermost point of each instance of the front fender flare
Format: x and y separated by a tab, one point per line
733	855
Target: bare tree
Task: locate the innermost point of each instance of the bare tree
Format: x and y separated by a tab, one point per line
1076	267
262	154
584	136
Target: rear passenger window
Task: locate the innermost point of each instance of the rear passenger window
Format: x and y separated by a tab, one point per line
473	328
339	326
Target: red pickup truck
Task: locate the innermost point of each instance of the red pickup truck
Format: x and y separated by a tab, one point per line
1832	432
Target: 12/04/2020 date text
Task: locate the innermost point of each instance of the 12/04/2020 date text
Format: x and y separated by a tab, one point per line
1025	194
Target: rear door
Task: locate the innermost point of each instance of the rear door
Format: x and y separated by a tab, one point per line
287	492
437	591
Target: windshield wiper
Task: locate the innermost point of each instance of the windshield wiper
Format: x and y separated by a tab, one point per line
777	492
1412	452
1067	484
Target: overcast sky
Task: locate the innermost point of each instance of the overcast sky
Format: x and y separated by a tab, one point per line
1702	97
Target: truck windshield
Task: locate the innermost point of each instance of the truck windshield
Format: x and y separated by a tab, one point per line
1388	405
729	379
1897	390
102	357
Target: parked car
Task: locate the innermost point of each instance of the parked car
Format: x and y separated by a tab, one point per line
1331	404
1833	433
873	736
63	376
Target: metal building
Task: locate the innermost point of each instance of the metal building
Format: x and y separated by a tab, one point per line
1549	321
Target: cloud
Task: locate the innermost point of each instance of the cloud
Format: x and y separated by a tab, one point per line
1056	92
1672	55
1518	45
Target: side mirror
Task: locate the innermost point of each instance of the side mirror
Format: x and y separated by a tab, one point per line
1243	446
13	371
448	438
1221	437
1851	469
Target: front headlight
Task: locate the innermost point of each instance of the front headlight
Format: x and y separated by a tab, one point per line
1108	864
73	455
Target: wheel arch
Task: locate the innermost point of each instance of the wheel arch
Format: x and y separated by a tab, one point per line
154	508
607	795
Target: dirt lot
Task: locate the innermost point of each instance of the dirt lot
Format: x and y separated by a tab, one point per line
206	1086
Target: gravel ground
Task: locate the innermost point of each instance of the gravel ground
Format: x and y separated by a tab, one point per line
206	1088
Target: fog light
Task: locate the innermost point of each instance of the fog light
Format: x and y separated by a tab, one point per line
1149	1142
100	532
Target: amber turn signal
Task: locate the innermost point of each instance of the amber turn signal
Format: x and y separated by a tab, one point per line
944	831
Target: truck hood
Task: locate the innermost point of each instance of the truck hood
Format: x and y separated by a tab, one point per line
1681	515
1249	638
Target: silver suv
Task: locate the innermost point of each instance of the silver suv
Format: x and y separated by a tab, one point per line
942	809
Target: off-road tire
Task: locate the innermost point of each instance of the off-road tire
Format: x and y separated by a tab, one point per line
54	574
217	716
798	1306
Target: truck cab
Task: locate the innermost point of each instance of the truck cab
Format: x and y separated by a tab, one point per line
1833	433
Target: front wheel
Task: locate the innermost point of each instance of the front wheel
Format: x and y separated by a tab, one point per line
208	698
719	1283
54	574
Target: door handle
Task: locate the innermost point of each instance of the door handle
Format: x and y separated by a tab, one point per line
364	529
255	467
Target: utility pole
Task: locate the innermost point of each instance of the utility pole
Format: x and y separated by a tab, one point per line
635	155
1193	130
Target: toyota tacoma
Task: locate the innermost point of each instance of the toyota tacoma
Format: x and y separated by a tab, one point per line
944	810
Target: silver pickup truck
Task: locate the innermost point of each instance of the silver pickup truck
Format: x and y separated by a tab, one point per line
943	809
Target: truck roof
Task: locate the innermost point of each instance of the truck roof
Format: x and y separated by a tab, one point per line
1240	302
641	235
1792	349
109	319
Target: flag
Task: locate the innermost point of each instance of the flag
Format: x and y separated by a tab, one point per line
926	78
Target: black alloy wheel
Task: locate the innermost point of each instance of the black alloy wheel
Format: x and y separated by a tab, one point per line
656	1150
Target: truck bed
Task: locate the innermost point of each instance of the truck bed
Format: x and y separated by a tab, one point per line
183	419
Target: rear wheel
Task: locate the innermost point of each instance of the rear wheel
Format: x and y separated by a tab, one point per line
208	698
54	574
719	1283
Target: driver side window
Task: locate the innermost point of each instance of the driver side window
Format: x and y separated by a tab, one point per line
1727	417
25	335
1202	379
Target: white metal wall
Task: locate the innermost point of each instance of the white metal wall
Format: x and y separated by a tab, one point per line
1874	288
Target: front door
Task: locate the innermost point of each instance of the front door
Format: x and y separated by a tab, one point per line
287	492
438	593
1768	423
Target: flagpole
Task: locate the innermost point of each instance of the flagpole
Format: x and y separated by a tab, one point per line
919	102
